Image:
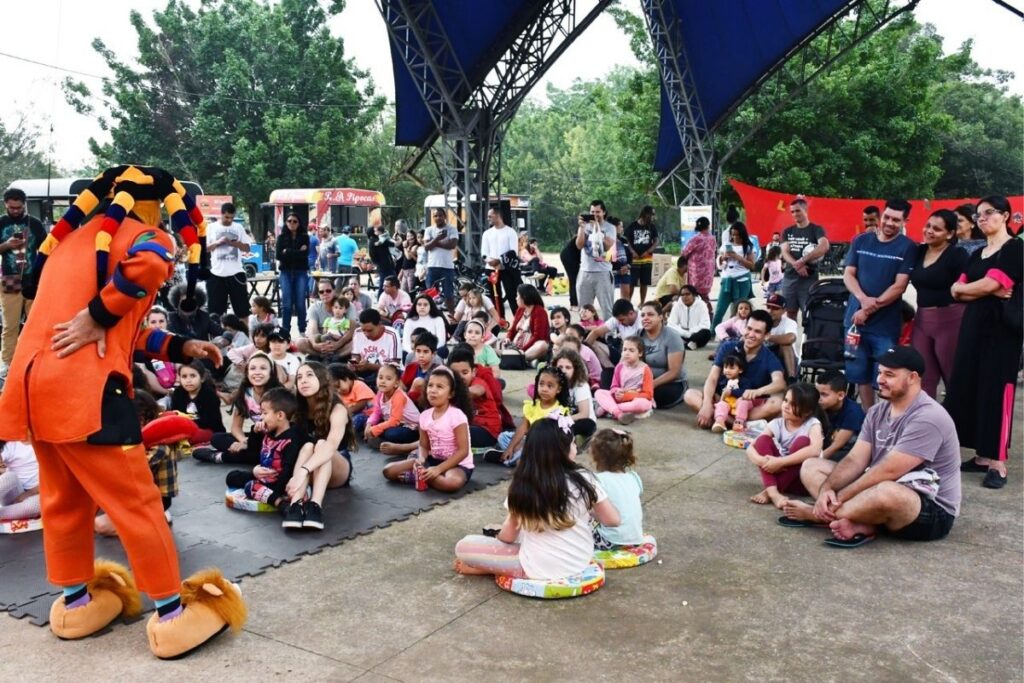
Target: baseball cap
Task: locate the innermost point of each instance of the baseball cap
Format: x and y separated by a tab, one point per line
903	357
775	301
346	229
279	333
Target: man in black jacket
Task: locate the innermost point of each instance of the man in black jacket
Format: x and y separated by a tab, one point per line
20	237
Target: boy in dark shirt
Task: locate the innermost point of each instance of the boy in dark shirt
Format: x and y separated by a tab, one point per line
282	445
845	417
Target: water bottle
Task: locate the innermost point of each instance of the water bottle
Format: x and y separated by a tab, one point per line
852	342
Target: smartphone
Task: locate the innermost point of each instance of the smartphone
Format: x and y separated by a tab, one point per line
18	235
587	217
729	248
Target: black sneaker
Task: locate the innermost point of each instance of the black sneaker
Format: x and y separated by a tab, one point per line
493	456
972	466
314	516
293	516
994	480
206	454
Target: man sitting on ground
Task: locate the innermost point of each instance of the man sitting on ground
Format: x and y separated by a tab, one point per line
373	345
764	372
902	476
316	315
606	339
672	282
784	333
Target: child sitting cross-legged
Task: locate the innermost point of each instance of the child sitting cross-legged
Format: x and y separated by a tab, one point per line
282	447
631	394
393	423
551	394
196	396
732	403
355	394
547	534
789	440
845	417
424	360
614	459
19	481
444	460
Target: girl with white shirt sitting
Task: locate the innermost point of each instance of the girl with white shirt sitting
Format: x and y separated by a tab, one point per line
689	317
547	533
581	400
19	482
425	316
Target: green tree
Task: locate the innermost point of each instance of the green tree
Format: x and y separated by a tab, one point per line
242	95
19	154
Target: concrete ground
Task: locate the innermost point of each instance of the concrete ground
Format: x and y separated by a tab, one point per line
734	597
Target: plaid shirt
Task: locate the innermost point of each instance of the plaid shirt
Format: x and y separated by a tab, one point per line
163	463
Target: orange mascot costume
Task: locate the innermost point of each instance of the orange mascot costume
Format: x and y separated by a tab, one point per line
69	392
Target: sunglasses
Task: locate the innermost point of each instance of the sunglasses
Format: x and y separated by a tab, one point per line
325	291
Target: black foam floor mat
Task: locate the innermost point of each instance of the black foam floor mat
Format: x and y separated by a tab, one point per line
241	544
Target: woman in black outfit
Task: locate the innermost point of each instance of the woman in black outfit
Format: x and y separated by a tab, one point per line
379	246
938	265
570	257
981	393
293	264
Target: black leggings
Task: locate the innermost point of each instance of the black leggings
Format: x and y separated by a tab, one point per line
481	438
700	338
584	427
668	395
250	455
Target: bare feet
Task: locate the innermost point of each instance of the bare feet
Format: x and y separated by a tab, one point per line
388	448
844	529
778	500
103	525
800	511
761	498
461	567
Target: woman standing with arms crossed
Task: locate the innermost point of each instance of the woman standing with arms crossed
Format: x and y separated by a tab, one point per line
293	264
938	264
981	392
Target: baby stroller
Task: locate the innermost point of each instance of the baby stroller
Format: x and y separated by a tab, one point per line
824	331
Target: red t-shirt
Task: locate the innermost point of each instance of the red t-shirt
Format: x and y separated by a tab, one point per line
485	407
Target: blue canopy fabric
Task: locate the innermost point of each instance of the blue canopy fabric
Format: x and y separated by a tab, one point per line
730	45
480	32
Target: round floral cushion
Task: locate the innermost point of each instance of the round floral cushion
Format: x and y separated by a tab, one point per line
236	500
587	581
626	556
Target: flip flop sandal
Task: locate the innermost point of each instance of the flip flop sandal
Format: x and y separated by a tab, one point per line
798	523
855	542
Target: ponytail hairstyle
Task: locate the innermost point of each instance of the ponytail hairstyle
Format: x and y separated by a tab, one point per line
273	381
563	384
546	482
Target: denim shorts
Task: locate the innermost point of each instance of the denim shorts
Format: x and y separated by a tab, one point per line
932	522
434	462
864	368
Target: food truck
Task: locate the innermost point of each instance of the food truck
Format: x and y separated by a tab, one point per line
334	206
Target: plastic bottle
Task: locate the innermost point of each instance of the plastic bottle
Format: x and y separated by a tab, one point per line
852	342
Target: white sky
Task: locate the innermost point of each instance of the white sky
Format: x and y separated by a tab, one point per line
59	32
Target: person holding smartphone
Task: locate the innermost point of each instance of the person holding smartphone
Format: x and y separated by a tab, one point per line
594	237
20	237
736	260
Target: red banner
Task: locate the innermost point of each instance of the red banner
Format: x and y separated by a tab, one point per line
768	212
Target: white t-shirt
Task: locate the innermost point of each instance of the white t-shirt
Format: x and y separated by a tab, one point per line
788	326
290	363
435	326
226	260
377	351
557	554
439	257
19	458
497	242
617	329
732	267
579	394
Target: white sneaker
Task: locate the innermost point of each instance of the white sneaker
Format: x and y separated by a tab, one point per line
691	345
167	516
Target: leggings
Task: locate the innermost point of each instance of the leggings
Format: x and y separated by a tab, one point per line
490	554
11	489
700	338
614	408
584	427
669	395
786	480
936	333
250	455
743	406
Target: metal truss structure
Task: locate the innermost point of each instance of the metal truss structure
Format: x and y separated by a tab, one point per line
469	123
697	179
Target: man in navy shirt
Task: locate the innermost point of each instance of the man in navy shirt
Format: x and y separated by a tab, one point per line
764	372
845	416
877	273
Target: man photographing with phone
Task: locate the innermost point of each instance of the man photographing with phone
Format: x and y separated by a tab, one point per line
20	237
594	237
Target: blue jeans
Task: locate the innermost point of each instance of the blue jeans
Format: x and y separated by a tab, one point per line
293	297
400	434
864	368
446	276
504	440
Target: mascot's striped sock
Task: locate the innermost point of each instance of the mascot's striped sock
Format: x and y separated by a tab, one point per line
76	596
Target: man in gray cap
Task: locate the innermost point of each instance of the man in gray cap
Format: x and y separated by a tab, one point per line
903	475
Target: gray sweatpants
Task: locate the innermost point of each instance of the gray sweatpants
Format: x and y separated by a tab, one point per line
591	285
9	490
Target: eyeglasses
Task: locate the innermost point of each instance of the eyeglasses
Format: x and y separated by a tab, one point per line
984	214
325	291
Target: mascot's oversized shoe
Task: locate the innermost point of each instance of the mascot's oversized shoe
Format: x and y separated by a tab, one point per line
211	604
113	594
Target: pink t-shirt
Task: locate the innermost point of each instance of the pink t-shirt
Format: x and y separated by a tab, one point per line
441	433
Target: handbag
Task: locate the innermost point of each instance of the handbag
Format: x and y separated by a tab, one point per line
512	359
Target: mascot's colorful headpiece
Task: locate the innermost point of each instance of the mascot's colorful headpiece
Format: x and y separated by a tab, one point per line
139	190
